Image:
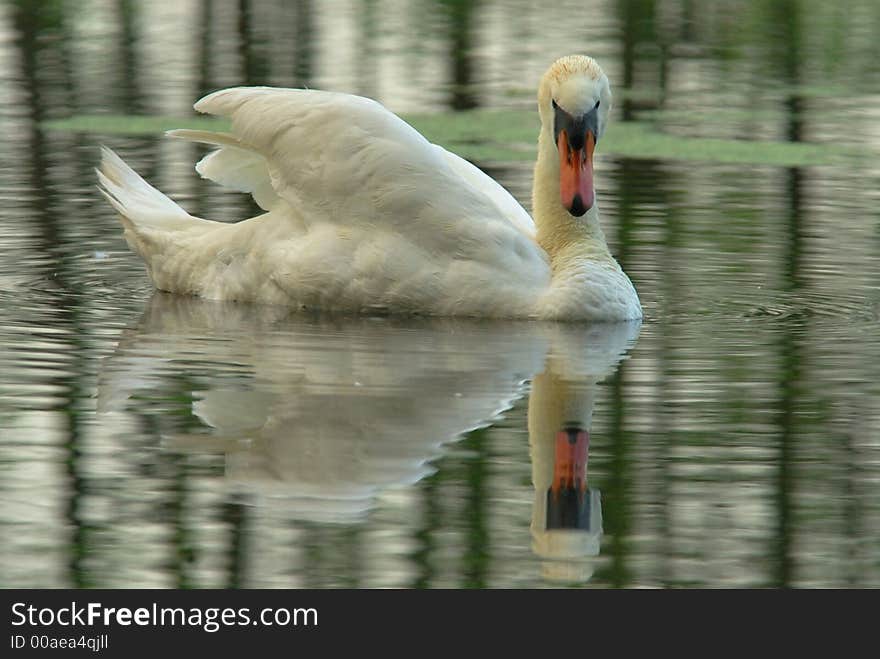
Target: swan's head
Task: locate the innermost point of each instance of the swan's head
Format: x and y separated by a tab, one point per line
574	99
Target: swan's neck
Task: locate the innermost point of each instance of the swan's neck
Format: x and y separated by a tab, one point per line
567	240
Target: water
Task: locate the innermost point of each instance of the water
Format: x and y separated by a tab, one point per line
734	436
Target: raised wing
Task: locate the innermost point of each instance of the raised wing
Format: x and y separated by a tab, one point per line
346	159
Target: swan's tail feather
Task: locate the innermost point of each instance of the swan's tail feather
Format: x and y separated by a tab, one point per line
140	204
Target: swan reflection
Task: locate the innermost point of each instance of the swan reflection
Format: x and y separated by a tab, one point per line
567	514
326	414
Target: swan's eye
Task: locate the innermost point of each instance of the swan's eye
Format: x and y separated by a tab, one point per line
553	100
596	106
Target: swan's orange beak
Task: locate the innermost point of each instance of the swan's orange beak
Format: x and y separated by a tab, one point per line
576	172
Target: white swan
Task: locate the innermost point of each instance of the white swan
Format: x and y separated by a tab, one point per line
364	214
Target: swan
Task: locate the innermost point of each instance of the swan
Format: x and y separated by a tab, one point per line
363	214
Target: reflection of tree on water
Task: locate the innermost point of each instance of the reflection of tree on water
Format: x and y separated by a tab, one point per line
303	44
254	64
461	15
129	73
640	33
788	52
33	22
235	514
202	55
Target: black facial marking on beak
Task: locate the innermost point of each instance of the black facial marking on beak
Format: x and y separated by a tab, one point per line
575	127
577	206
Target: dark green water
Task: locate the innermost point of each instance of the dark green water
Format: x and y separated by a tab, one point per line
150	441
